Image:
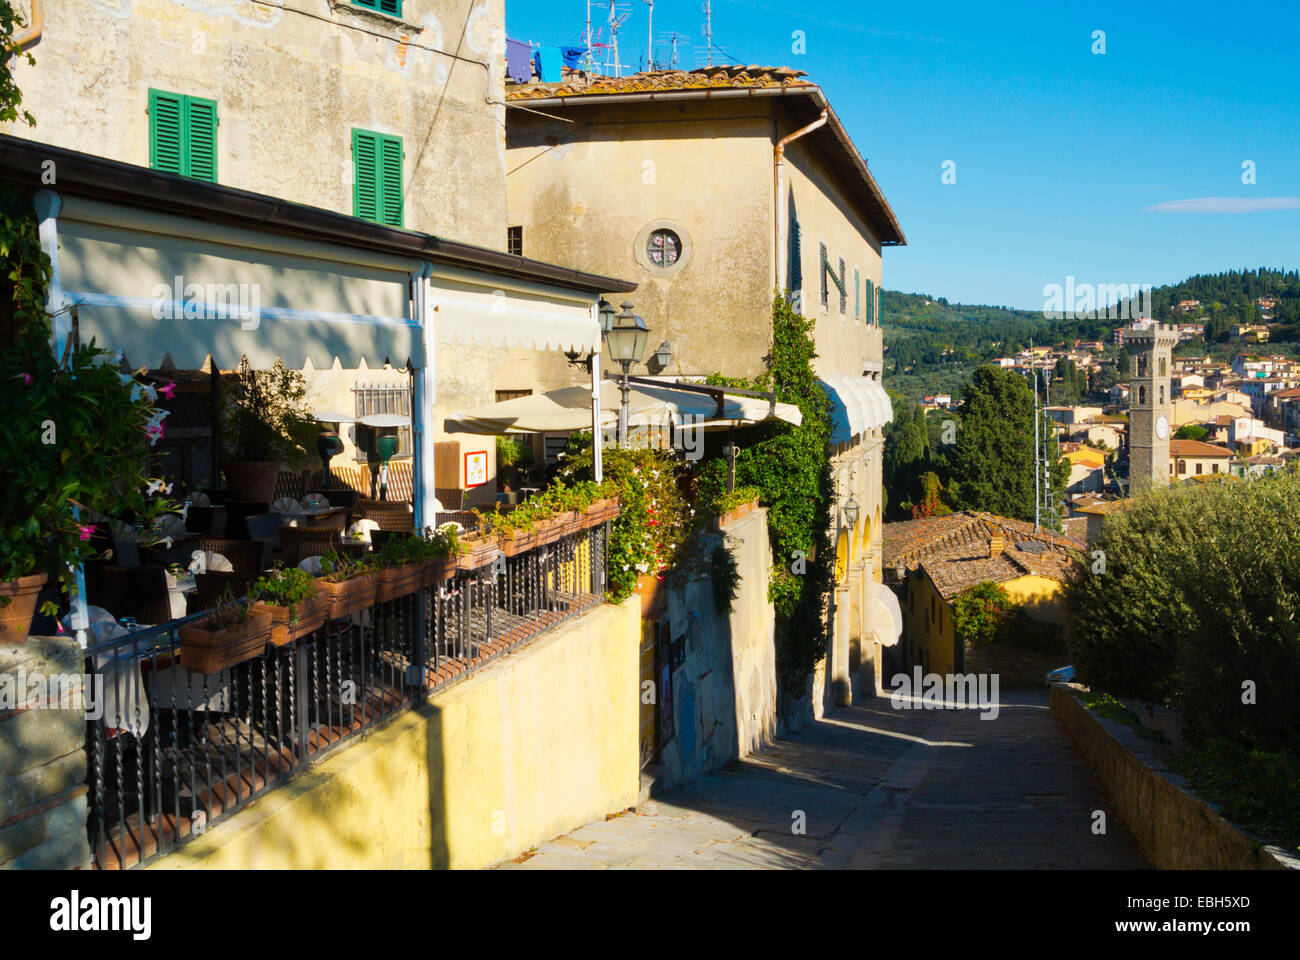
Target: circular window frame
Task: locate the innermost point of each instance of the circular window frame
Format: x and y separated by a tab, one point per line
643	239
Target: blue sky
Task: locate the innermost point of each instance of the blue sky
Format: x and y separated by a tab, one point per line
1060	153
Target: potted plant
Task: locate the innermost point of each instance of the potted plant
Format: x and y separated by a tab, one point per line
267	423
401	565
514	530
443	549
231	633
513	455
73	438
349	583
477	550
294	599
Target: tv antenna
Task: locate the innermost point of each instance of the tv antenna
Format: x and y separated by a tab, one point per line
649	35
615	21
673	41
708	29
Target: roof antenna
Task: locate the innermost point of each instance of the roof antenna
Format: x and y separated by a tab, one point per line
615	21
649	36
708	30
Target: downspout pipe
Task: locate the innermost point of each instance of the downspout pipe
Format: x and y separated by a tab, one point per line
423	398
34	28
778	208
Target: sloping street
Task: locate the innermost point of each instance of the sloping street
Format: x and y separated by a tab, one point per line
872	787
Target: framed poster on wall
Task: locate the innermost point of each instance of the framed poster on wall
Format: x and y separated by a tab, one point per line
476	468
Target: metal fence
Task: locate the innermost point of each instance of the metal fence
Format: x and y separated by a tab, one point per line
176	750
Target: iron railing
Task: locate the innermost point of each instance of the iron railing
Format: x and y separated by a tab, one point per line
176	750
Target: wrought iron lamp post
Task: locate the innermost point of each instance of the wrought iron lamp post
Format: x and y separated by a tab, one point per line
627	338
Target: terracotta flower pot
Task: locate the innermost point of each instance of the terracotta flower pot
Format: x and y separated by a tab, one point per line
16	614
310	616
478	550
254	479
207	651
349	596
400	581
653	595
548	531
733	515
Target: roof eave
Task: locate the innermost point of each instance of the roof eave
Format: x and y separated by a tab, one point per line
83	174
891	231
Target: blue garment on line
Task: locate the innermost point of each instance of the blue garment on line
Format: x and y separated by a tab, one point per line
550	64
572	56
519	56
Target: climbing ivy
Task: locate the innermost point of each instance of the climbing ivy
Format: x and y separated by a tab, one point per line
790	466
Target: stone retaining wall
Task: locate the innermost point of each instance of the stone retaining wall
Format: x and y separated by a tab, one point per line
42	758
1175	829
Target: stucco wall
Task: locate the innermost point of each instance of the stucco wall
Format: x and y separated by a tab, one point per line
724	693
291	79
528	748
583	191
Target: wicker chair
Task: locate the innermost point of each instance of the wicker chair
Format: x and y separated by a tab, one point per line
237	514
299	542
139	592
246	556
389	514
213	586
451	498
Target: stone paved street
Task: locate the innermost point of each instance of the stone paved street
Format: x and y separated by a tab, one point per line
879	789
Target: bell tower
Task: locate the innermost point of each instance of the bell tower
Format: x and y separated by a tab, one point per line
1151	348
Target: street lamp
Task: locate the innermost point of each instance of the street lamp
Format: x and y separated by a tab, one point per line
627	338
664	355
606	312
851	512
328	443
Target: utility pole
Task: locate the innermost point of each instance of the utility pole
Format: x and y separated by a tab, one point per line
649	36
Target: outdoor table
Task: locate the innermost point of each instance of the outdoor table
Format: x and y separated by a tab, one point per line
182	547
323	517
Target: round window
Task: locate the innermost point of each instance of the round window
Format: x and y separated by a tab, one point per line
663	247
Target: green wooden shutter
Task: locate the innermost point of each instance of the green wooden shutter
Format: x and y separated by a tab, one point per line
825	291
391	181
857	295
796	258
365	181
391	6
166	131
201	139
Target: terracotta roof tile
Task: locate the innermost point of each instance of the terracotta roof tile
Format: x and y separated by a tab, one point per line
966	534
1195	448
730	76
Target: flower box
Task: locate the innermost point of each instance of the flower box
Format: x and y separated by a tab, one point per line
548	531
602	510
518	541
308	616
399	581
440	571
349	596
478	550
733	515
207	651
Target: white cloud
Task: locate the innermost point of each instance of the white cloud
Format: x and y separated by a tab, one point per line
1226	205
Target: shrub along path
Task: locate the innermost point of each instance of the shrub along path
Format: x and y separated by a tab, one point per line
878	788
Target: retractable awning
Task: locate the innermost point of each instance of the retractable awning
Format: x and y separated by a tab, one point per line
858	404
166	289
495	312
569	409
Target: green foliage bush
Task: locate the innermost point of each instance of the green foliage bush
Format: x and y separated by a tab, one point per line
1200	594
1258	789
725	575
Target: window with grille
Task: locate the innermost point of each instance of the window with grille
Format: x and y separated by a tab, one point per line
826	290
515	241
857	295
373	398
844	293
512	394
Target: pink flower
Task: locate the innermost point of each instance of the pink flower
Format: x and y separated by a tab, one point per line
169	390
86	532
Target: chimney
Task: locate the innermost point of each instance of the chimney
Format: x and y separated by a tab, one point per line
996	546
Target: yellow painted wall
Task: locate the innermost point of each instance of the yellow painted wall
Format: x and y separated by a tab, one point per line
1040	596
932	636
528	748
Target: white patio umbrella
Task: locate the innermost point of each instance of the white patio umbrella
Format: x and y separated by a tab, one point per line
569	409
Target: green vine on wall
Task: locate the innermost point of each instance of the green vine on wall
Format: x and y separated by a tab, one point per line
790	467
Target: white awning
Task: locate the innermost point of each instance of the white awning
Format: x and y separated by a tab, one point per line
858	404
471	309
163	288
885	616
569	409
